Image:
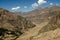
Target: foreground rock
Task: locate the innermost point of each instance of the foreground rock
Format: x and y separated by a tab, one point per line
12	25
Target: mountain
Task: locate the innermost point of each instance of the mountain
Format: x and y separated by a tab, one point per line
46	30
21	13
52	30
54	22
12	25
41	14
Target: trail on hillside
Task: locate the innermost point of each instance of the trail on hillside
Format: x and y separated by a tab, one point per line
32	32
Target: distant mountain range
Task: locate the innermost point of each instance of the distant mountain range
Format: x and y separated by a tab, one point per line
42	14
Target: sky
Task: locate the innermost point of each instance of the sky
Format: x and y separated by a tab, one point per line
27	5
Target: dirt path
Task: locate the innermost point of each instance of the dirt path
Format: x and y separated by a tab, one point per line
32	32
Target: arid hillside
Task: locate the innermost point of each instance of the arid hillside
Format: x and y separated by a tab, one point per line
54	22
51	31
40	24
12	25
47	30
41	14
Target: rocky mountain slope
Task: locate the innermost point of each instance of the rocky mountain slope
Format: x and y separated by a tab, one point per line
12	25
54	22
41	14
47	21
47	30
51	31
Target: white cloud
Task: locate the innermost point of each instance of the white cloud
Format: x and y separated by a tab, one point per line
41	2
25	6
51	3
34	5
15	8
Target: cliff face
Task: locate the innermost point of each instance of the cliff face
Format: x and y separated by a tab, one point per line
12	25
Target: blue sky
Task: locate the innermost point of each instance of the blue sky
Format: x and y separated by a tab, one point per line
26	5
